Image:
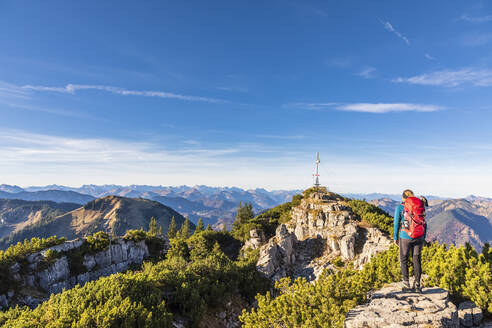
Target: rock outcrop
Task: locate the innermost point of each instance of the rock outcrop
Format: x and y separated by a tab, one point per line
38	276
323	228
390	307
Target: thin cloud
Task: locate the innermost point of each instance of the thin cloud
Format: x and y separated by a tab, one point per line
476	19
311	106
387	25
72	88
381	108
11	90
368	73
451	78
429	57
374	108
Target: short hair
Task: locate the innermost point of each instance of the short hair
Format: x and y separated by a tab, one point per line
407	193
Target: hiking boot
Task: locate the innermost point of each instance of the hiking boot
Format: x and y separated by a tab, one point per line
405	286
416	287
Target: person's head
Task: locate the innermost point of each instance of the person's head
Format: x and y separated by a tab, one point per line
407	193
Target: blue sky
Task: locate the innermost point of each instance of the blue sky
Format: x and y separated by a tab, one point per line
393	94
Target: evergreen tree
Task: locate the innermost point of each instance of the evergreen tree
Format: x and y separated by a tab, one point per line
184	232
209	228
153	227
160	230
173	229
199	225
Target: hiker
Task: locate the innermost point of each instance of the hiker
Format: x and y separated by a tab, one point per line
409	231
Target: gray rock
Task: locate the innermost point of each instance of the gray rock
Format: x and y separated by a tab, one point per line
4	303
66	246
469	314
103	258
116	253
389	307
89	262
57	272
347	245
15	268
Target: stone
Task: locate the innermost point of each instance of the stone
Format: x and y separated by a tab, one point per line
66	246
116	253
58	271
4	303
469	314
347	245
89	262
15	268
103	258
390	307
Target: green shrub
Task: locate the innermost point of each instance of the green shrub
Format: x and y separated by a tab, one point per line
373	215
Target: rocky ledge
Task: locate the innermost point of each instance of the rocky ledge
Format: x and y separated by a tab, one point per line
323	229
37	277
390	307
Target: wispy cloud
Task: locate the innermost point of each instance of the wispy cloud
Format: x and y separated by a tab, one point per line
429	57
374	108
387	25
11	90
381	108
451	78
72	88
311	106
368	73
476	19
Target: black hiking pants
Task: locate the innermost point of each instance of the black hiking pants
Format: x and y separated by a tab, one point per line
416	246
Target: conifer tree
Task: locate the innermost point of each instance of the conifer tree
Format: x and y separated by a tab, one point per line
153	227
209	228
173	229
199	225
184	232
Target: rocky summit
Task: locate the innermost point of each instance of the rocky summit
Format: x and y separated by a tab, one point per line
322	229
390	307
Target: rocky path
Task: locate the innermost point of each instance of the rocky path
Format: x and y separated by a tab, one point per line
390	307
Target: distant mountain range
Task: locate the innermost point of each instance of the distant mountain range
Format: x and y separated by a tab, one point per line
454	221
216	205
113	214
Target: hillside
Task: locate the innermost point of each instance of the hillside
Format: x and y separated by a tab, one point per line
59	196
458	226
17	214
112	214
